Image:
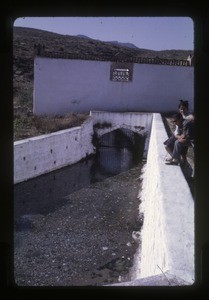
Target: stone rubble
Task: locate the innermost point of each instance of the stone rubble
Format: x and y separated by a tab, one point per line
87	241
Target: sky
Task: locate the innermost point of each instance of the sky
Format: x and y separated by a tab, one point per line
154	33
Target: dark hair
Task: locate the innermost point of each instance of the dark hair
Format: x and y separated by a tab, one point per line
177	116
184	103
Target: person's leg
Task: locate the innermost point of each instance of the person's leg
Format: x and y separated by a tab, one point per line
169	150
184	154
176	154
169	145
177	151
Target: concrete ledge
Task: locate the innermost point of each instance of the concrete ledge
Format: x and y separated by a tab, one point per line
168	207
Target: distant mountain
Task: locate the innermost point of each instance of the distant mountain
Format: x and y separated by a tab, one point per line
129	45
120	44
83	36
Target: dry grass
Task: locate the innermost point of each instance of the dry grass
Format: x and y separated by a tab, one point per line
27	125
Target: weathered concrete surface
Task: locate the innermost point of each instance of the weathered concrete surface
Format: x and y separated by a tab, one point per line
168	207
42	154
139	122
45	153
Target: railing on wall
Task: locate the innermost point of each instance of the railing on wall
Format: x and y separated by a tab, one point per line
40	51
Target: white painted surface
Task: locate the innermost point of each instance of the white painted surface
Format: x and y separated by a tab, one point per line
168	207
131	119
135	121
45	153
66	85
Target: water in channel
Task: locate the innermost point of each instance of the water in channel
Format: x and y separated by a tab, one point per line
74	226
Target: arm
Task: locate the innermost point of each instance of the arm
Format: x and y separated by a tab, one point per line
188	132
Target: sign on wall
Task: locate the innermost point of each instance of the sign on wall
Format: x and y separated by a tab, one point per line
121	72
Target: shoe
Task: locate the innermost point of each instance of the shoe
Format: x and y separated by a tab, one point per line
168	159
172	163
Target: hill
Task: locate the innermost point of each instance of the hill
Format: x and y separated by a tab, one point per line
24	39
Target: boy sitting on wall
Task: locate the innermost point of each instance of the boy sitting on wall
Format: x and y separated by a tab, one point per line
177	145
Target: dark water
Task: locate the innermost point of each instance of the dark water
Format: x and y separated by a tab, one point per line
74	226
46	193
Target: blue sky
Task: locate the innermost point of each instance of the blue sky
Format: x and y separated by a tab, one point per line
155	33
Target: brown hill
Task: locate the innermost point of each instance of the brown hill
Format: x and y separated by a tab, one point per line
24	39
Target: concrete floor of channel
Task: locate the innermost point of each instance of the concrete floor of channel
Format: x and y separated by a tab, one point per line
88	241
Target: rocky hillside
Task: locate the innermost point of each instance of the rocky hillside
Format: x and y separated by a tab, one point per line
25	38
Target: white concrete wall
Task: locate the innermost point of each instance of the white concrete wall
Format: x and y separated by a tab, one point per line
132	119
135	121
65	85
168	207
45	153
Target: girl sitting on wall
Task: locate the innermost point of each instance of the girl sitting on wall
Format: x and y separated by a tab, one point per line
169	143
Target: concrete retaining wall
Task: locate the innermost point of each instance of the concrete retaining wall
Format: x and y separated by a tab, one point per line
168	206
42	154
45	153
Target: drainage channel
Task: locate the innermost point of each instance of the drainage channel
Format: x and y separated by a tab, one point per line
79	226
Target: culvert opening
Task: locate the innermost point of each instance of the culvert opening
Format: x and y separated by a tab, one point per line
117	152
77	230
